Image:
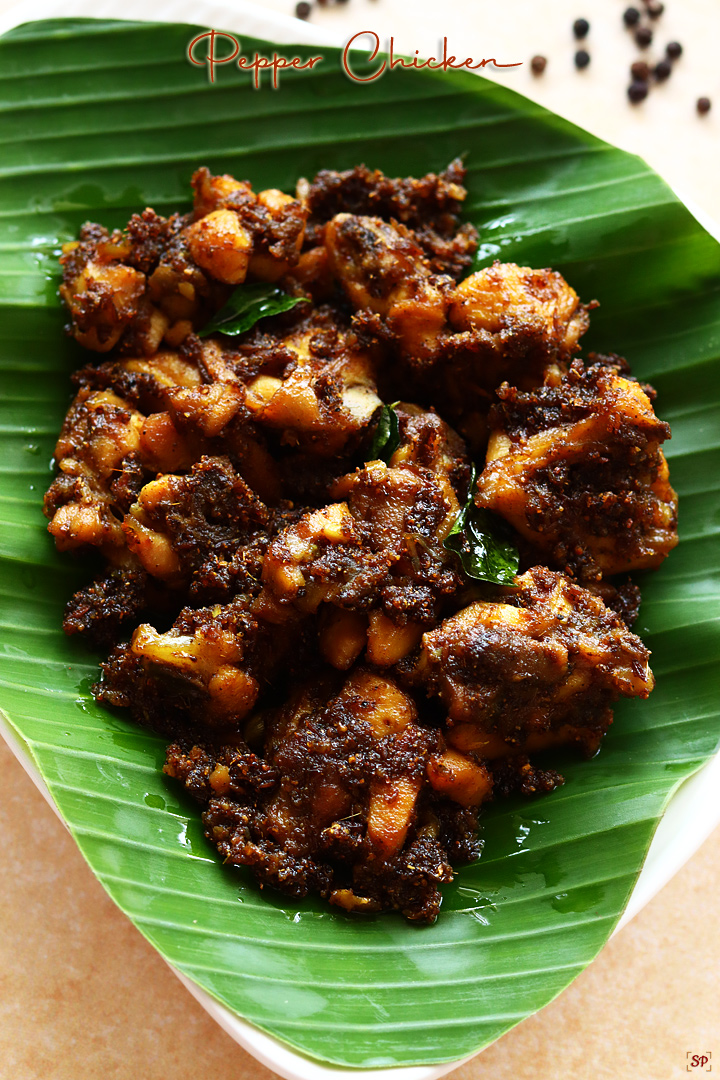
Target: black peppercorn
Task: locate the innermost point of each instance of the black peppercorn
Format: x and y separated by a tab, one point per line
582	59
637	91
581	28
704	105
654	8
674	50
663	70
631	16
538	65
643	36
303	9
640	71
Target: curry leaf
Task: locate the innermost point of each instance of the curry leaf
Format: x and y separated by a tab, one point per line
246	306
386	438
483	543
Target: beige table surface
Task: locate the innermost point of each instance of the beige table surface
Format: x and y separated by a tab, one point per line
84	997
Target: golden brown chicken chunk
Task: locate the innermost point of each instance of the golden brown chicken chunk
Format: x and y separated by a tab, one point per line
429	206
204	673
358	801
97	450
382	270
577	469
380	550
456	343
315	387
160	278
538	667
181	526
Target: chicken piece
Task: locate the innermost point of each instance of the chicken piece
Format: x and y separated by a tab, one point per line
315	560
576	467
204	673
185	402
382	547
506	322
205	532
428	442
194	404
179	524
221	246
100	436
530	310
429	206
457	343
539	667
103	298
107	448
142	381
323	396
160	278
344	807
274	223
382	270
117	292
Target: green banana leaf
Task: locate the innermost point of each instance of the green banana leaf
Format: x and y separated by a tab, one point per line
100	119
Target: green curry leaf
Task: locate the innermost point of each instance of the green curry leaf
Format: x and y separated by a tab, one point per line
483	543
246	306
386	439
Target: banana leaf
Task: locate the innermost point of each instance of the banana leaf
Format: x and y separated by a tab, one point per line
99	119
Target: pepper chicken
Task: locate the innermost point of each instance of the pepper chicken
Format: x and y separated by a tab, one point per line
281	597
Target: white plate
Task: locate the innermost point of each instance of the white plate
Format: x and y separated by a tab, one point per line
694	810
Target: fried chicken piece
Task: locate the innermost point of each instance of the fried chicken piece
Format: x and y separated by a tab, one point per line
117	291
456	343
192	403
576	467
530	310
380	550
509	323
161	278
273	222
204	673
537	668
319	391
105	452
383	271
179	524
358	801
105	609
100	435
429	206
142	381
